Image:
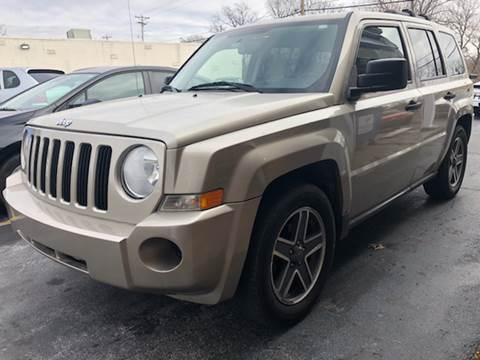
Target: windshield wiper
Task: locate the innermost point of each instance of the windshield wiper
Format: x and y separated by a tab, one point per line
170	88
7	109
222	85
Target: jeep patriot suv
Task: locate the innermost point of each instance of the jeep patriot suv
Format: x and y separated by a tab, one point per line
269	144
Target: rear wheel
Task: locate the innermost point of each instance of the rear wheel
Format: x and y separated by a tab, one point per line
447	183
6	169
291	254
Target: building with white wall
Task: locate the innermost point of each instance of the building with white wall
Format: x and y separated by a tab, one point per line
71	54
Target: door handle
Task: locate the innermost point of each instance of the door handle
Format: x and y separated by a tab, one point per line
413	105
450	96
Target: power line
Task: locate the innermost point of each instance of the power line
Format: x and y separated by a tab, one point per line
142	20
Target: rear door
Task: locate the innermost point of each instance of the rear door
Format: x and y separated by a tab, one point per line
386	123
441	86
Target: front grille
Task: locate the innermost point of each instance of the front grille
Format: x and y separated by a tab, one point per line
67	167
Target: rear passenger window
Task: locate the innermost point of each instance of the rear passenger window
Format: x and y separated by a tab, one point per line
427	55
451	54
10	79
379	42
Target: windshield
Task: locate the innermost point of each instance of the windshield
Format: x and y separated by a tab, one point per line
289	57
46	93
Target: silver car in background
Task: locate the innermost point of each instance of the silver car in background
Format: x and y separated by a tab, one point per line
14	80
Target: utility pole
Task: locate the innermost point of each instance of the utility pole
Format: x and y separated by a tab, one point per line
106	37
302	7
142	20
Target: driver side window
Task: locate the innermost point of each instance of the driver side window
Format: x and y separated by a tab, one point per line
379	42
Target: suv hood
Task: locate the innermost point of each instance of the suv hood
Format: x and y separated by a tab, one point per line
184	118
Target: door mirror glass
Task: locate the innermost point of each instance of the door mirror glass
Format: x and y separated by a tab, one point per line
381	75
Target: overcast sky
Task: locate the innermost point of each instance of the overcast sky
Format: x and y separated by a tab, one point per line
169	19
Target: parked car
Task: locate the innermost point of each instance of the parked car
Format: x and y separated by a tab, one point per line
243	177
476	98
80	88
15	80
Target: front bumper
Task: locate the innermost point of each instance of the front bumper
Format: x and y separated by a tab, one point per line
213	244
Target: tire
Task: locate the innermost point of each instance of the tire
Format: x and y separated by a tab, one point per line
448	181
260	289
6	169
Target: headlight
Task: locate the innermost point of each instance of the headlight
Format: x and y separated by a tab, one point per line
27	138
140	172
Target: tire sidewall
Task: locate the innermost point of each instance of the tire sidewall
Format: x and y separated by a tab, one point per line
459	133
6	169
302	197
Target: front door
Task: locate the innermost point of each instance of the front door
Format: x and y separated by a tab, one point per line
386	124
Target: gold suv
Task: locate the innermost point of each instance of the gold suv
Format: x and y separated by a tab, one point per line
267	146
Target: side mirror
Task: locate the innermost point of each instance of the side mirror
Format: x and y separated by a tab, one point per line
88	102
381	75
168	80
473	76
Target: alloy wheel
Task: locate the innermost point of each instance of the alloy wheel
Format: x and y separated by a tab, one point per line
457	163
298	256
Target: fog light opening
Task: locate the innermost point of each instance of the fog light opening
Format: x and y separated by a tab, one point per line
160	254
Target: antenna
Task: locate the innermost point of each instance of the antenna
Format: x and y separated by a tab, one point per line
142	20
131	33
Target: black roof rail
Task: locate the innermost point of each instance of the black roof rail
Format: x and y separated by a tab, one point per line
408	12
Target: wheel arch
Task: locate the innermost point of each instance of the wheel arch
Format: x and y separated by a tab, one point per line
10	150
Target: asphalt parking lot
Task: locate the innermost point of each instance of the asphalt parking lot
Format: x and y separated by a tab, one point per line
415	299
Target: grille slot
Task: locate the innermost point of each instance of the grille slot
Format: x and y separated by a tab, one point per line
101	177
35	161
67	171
82	176
43	166
54	168
29	164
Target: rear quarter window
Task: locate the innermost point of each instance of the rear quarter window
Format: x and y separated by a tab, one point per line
10	79
452	55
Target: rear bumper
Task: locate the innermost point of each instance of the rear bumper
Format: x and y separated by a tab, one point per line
213	245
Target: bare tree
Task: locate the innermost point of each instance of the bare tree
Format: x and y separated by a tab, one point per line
193	39
462	17
286	8
432	8
233	16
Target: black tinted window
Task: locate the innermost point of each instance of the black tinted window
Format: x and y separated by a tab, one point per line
41	77
10	79
451	54
427	55
157	78
379	42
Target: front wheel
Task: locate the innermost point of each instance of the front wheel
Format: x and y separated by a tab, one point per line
7	169
446	184
291	254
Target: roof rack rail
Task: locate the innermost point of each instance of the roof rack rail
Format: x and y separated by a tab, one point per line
408	12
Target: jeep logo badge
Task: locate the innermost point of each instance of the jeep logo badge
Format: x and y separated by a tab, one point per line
64	122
